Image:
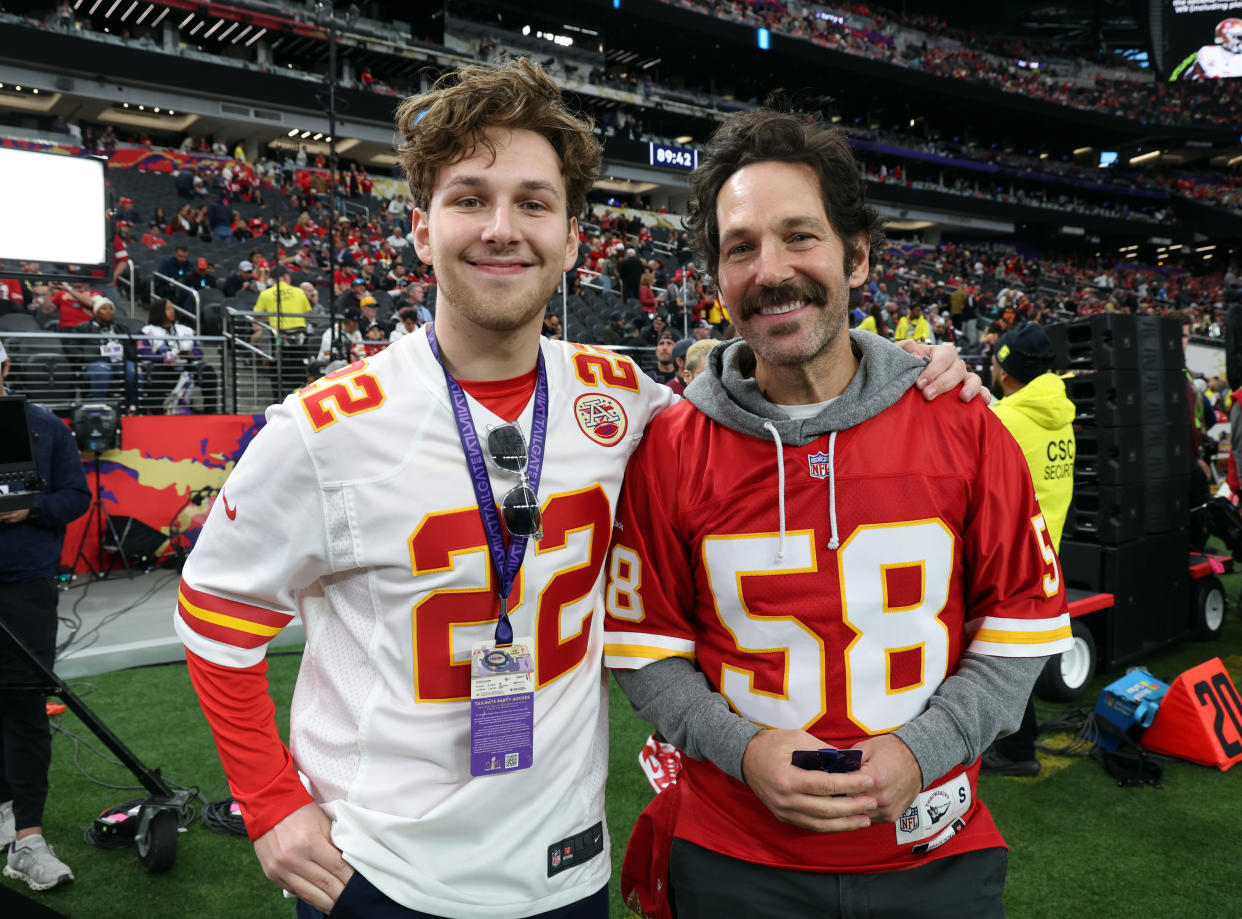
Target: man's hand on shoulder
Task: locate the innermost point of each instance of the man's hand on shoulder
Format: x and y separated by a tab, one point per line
298	854
895	772
805	797
944	371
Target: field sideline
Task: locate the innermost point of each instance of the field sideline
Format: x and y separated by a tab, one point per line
1079	844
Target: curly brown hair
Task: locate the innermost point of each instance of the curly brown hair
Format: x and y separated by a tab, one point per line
763	135
450	121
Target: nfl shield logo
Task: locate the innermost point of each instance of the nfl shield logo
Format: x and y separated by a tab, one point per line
819	465
909	821
556	859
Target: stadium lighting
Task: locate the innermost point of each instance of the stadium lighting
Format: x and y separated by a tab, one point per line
525	30
198	25
112	9
242	34
1205	248
35	90
94	6
129	11
293	133
255	36
212	30
318	136
186	21
78	4
305	134
683	139
160	17
225	33
156	110
1144	157
144	14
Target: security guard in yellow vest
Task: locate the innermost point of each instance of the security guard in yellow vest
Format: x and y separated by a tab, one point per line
1040	417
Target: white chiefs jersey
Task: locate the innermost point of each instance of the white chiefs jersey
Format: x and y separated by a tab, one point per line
1216	62
353	508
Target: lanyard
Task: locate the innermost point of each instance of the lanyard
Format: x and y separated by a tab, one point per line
508	561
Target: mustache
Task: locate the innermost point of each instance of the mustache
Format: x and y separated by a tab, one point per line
799	291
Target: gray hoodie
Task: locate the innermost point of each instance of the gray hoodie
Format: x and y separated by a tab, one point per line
983	699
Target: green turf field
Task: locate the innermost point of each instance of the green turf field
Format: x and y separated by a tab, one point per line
1080	846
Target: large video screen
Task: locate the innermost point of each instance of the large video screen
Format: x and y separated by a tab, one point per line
1203	39
55	209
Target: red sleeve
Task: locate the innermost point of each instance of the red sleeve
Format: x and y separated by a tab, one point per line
242	718
1015	598
651	593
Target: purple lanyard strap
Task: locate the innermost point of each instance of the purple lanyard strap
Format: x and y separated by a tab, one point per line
508	561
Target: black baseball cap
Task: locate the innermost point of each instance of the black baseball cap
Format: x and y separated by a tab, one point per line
1025	352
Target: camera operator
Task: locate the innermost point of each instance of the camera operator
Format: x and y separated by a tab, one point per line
31	540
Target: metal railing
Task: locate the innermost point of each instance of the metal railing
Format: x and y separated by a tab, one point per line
62	369
196	315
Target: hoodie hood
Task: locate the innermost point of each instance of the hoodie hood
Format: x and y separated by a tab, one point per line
1042	402
727	393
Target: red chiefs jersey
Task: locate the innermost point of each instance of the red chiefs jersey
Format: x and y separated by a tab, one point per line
942	549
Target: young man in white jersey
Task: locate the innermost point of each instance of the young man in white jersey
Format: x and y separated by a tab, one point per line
438	509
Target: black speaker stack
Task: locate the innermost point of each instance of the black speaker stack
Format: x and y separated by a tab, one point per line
1126	529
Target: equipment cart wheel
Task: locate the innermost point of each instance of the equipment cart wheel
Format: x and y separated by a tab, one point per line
1209	611
1066	676
157	846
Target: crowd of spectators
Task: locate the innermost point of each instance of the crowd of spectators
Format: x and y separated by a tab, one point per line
927	44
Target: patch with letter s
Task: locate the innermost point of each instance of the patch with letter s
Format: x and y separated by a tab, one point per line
601	418
933	811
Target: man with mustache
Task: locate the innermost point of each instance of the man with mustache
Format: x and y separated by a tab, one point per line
856	569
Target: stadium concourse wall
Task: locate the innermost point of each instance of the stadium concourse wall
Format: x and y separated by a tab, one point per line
166	474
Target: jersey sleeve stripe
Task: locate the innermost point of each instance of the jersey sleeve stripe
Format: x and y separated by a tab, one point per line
640	651
233	608
1023	638
998	636
224	628
1039	625
672	645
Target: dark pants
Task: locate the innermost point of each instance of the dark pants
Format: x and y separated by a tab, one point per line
360	900
706	885
28	608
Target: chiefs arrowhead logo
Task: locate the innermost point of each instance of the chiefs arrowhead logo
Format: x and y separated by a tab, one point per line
231	512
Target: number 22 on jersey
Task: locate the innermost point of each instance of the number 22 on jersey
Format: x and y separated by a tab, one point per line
575	541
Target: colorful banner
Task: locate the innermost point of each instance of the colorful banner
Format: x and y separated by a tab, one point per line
165	475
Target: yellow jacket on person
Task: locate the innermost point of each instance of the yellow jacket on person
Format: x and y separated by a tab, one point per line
293	302
919	330
868	325
1040	417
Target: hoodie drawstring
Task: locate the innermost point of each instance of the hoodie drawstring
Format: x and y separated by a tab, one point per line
780	485
834	542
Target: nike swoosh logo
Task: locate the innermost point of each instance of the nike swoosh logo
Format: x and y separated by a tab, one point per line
230	511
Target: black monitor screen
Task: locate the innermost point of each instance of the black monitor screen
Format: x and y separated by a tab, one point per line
14	432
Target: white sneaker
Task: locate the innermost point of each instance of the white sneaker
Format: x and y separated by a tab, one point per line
8	828
32	860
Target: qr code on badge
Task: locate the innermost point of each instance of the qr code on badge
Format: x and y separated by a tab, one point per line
511	760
